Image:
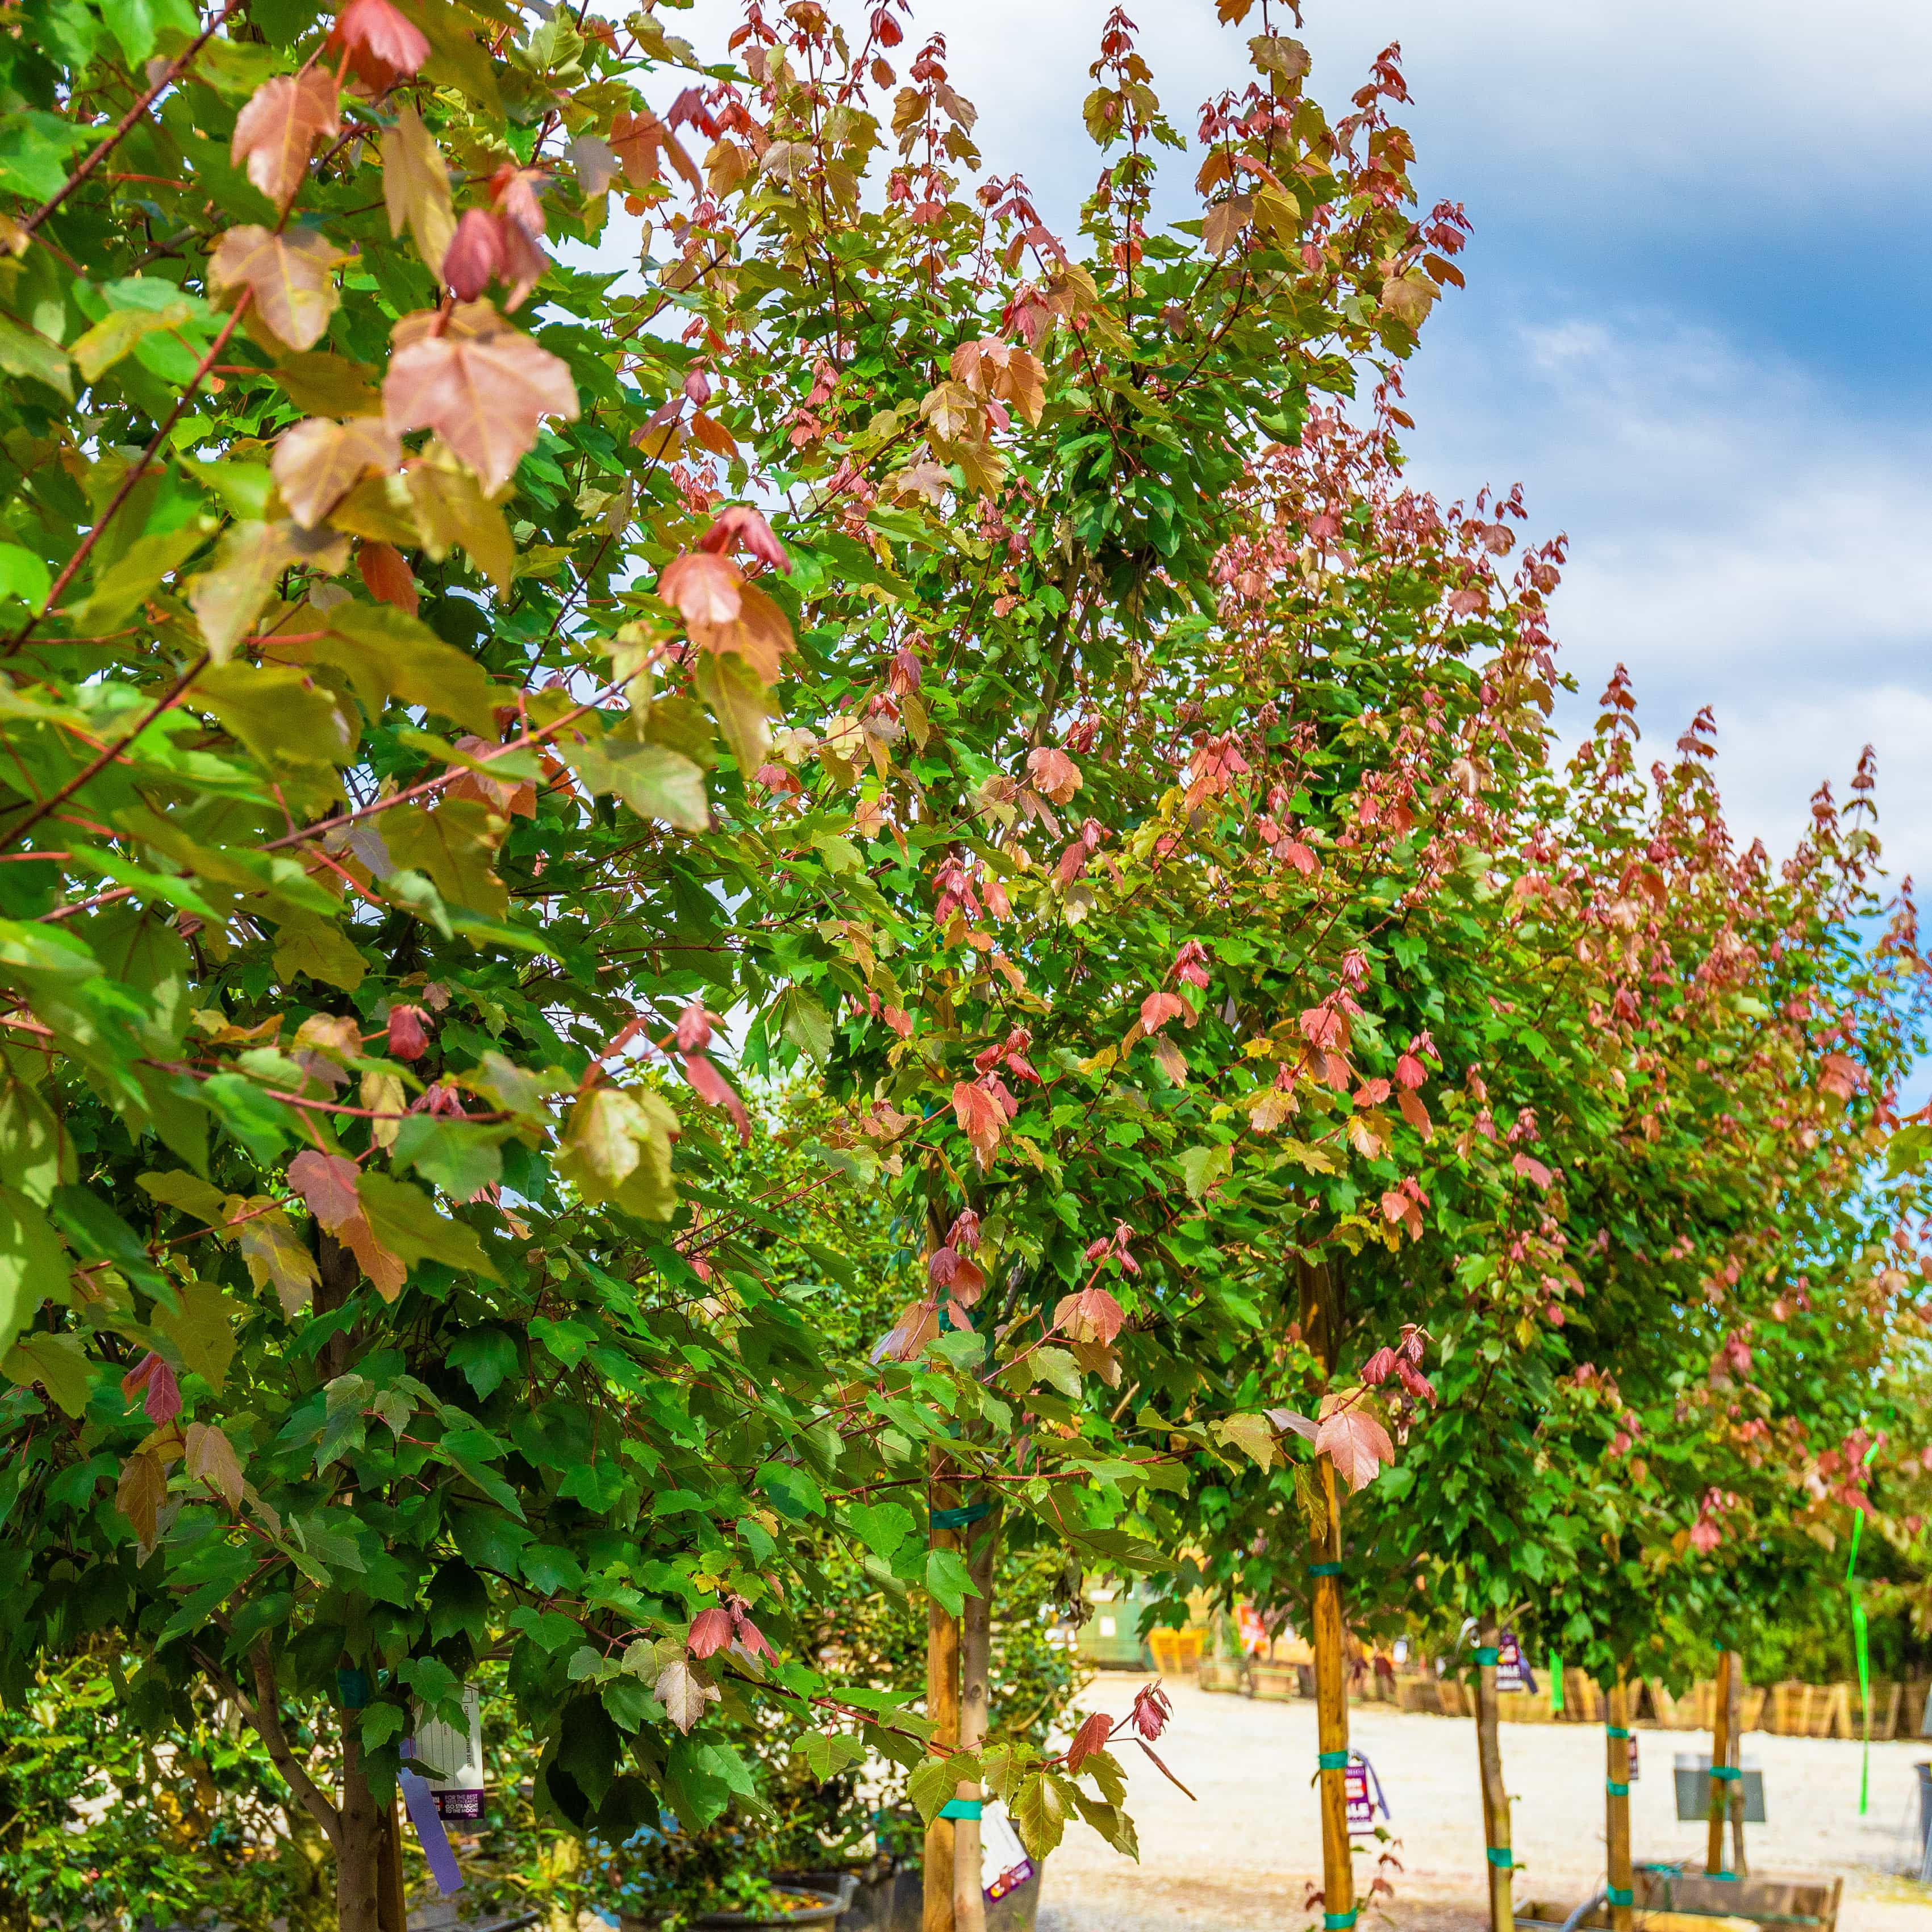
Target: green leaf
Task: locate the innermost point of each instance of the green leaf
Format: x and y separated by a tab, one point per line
1201	1167
23	575
455	845
461	1159
33	1263
120	590
805	1023
58	1362
24	352
937	1781
881	1527
36	1152
948	1581
386	653
486	1357
381	1722
743	706
654	782
405	1221
1039	1814
202	1329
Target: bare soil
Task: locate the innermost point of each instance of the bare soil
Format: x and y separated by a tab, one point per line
1244	1855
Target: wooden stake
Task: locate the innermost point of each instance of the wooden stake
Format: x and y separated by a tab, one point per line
942	1707
1497	1850
1321	1321
1616	1804
1738	1864
392	1910
1331	1716
976	1645
1718	1808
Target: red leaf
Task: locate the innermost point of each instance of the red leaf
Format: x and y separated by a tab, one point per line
981	1119
1356	1443
712	1086
1534	1170
384	47
1157	1008
407	1039
701	588
1379	1366
1091	1315
388	577
1089	1740
1415	1113
1053	772
151	1378
710	1632
474	255
747	526
1151	1710
1162	1769
326	1182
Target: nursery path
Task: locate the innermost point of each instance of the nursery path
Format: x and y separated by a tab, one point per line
1240	1859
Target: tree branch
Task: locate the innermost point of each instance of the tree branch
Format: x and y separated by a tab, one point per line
265	1715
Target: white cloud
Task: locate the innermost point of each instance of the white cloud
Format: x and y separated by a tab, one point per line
1742	535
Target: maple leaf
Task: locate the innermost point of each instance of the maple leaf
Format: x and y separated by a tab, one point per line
415	187
981	1117
1053	772
711	1086
387	573
702	588
918	1322
407	1039
741	524
317	462
684	1693
277	129
1090	1315
211	1457
1157	1008
481	385
1355	1442
1151	1710
1415	1113
287	274
1532	1169
710	1632
328	1184
384	46
154	1381
139	1495
274	1255
1089	1740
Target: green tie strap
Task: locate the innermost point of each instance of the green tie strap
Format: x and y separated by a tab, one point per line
962	1808
1324	1569
1555	1682
961	1518
1501	1857
1487	1653
1333	1760
1729	1773
1615	1731
1619	1894
1732	1876
1337	1922
1615	1790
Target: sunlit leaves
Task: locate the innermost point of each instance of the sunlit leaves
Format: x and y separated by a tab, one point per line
277	130
482	385
289	275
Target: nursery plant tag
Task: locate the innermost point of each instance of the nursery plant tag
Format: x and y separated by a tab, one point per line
1004	1866
1363	1791
455	1758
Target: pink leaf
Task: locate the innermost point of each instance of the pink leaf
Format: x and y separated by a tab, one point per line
710	1632
155	1381
1356	1443
407	1040
1089	1740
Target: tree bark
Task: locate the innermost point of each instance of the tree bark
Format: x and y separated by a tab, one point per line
942	1708
1616	1804
1718	1808
1331	1712
1497	1850
976	1649
358	1852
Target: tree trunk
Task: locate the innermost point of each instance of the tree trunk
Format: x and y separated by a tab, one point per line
1331	1714
392	1909
942	1708
1616	1805
976	1651
1718	1808
1496	1798
358	1855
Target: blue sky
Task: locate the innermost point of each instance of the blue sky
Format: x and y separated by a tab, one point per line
1695	329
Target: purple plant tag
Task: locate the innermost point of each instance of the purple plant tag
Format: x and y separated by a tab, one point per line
434	1839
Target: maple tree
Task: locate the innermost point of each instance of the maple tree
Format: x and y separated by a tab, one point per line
478	723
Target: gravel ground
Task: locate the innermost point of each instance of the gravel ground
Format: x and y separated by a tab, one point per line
1243	1856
